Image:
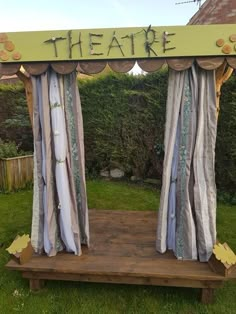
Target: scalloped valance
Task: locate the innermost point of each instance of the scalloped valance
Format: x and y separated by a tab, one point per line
121	66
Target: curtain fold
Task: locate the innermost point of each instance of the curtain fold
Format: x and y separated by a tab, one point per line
187	214
76	139
204	165
56	215
174	97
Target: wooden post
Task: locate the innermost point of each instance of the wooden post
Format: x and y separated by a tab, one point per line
36	284
207	295
28	91
223	73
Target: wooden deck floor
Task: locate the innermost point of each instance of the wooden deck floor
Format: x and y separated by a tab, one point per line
122	251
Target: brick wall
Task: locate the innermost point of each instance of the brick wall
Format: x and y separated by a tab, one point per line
215	12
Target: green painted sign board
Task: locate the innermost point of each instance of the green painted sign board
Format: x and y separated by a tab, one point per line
119	43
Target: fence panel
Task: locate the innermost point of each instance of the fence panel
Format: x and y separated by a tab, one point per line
16	173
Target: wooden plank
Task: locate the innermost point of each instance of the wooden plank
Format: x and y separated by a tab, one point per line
207	295
2	175
64	67
128	266
151	65
134	248
92	67
210	63
121	66
28	92
231	62
36	284
36	68
134	215
16	172
9	69
122	280
223	73
122	251
180	64
119	43
9	175
127	249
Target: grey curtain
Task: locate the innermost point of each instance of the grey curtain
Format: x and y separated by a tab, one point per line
187	214
60	212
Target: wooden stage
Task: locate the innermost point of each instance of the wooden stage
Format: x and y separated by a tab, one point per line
122	251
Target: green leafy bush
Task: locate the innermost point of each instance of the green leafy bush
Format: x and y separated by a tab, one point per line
14	117
9	149
124	122
226	142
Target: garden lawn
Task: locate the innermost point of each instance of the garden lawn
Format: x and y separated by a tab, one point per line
73	297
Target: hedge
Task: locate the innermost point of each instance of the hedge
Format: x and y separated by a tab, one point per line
123	122
226	141
124	119
14	118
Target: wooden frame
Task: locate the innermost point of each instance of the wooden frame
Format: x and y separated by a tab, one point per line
123	251
122	260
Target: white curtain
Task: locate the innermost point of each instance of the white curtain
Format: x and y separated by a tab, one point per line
61	152
60	212
187	214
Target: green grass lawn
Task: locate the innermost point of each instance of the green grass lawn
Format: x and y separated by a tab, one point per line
72	297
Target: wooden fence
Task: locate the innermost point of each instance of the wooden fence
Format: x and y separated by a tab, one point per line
16	173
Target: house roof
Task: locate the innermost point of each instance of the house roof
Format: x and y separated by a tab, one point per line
9	79
215	12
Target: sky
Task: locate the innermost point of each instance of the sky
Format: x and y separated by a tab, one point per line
32	15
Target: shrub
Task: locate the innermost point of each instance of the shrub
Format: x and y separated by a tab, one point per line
14	117
9	149
124	119
226	142
123	122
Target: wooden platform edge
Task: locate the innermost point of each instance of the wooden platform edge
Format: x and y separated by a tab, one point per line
37	281
12	265
206	295
116	258
177	282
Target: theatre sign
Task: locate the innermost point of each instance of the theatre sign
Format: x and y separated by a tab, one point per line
118	43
